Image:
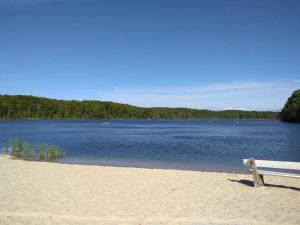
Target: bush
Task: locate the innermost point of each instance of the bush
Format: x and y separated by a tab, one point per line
24	150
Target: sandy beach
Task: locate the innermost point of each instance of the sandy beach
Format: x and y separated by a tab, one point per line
52	193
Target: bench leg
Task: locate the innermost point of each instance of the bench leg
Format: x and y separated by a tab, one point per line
257	178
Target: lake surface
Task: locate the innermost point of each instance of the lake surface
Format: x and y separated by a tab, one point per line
209	145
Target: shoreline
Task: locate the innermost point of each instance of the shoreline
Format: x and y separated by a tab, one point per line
52	193
109	120
141	164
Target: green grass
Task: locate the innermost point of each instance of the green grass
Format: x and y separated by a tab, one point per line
40	152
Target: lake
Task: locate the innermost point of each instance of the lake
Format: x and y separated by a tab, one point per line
208	145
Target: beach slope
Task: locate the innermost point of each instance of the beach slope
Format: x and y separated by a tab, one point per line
50	193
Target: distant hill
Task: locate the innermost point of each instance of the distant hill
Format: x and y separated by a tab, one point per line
31	107
291	110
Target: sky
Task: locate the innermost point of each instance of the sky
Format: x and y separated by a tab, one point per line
234	54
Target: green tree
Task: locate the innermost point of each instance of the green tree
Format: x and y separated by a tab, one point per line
20	107
291	110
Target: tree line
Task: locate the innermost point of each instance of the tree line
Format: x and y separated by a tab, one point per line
31	107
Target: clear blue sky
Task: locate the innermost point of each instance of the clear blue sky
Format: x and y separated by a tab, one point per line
200	54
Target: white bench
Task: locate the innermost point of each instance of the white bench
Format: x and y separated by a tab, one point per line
258	174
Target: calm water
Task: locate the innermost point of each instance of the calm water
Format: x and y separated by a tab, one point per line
197	145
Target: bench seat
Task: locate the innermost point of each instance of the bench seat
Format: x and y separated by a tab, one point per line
273	173
258	173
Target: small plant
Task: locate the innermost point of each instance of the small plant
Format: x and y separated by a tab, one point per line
22	149
19	149
39	153
51	152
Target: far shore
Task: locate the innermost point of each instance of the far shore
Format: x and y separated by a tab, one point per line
109	120
53	193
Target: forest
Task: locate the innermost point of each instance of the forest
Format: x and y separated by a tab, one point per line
291	110
31	107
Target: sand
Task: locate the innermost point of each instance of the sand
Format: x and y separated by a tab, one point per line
52	193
